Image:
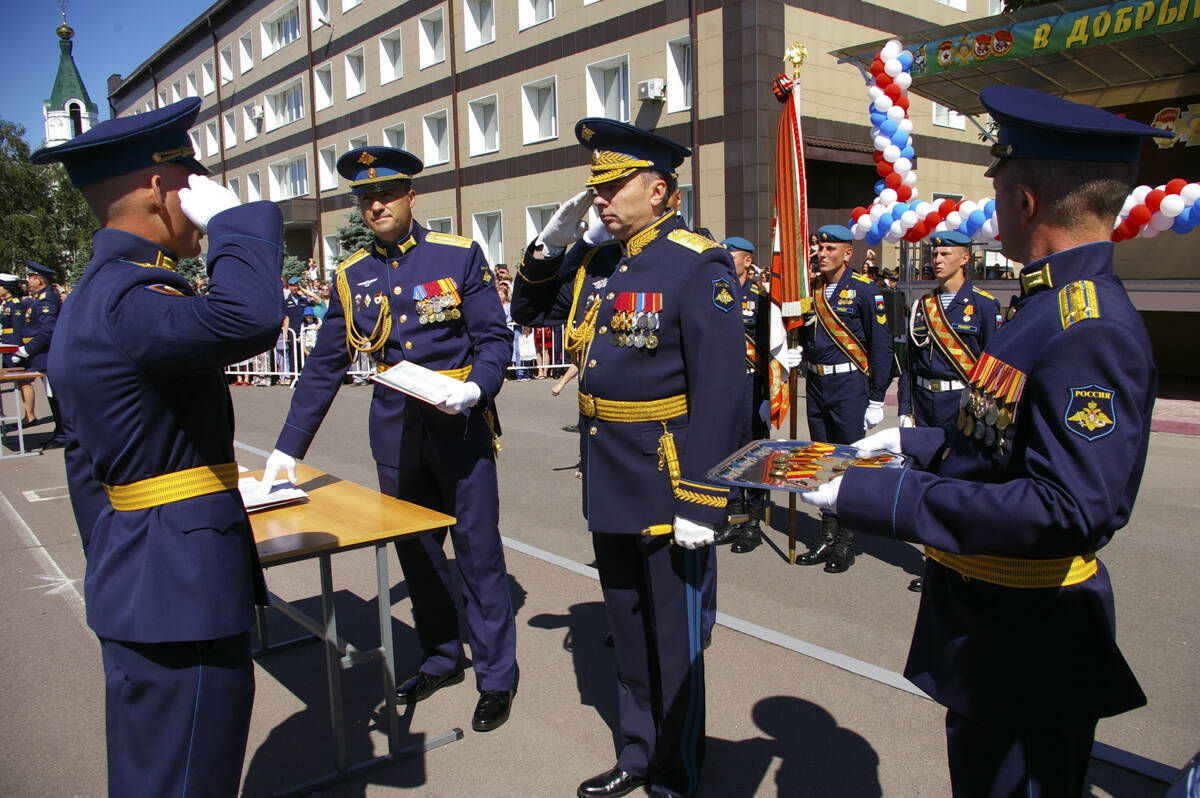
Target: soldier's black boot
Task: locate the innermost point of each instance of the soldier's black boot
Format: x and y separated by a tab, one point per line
728	530
749	539
823	547
843	553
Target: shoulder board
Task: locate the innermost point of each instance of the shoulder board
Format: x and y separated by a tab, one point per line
353	259
755	288
981	292
693	241
1077	301
449	239
163	288
862	278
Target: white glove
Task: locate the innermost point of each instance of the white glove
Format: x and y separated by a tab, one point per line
764	411
825	496
21	353
873	415
459	398
596	233
277	461
886	441
793	356
908	421
692	534
566	225
204	199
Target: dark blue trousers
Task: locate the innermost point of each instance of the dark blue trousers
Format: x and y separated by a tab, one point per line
836	404
177	716
465	488
653	603
935	409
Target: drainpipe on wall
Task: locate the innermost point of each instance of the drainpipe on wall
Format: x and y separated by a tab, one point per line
316	156
458	218
695	115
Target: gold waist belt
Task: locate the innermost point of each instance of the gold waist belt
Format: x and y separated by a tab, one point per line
458	374
615	410
6	330
173	487
1019	572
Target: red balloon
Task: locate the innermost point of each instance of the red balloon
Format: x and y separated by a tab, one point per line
877	155
857	212
920	228
933	219
884	168
904	193
947	207
1154	198
893	180
912	236
1140	215
902	101
894	91
1130	227
876	67
1176	185
883	80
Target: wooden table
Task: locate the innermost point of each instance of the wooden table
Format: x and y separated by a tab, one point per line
12	378
341	516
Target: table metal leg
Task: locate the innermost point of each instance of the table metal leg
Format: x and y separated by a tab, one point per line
19	418
388	651
333	663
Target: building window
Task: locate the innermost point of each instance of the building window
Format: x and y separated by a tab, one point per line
358	142
961	5
162	98
194	136
488	234
536	218
432	39
235	186
327	176
280	30
246	52
190	85
685	204
253	188
480	18
394	136
323	86
483	126
149	106
176	92
226	64
230	120
679	75
390	66
995	7
608	88
349	4
211	139
289	178
285	106
534	12
443	225
539	110
319	11
207	82
333	253
437	142
76	112
252	117
947	117
355	84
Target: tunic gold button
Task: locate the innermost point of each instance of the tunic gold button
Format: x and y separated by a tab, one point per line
395	263
611	295
592	363
602	329
408	344
592	431
624	267
403	317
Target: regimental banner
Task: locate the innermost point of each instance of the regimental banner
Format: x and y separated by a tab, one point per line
1102	24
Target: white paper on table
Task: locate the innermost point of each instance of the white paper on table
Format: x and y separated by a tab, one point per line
425	384
282	492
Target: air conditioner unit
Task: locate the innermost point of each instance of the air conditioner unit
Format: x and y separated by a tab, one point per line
652	91
256	113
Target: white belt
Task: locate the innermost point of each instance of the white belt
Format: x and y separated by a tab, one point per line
939	386
826	369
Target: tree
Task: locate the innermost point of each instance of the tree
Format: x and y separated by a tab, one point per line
354	234
294	267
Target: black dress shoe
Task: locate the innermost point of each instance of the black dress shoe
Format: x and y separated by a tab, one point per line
916	585
492	710
422	685
608	641
749	539
725	533
57	442
610	784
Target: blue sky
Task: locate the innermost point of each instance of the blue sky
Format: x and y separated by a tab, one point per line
110	36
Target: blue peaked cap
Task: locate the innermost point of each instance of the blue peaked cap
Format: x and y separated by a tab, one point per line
371	169
37	268
619	149
129	143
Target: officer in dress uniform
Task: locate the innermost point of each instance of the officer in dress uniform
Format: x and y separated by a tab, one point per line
653	324
41	313
425	297
12	329
947	329
137	358
848	352
1016	630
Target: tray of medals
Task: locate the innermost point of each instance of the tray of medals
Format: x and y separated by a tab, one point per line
797	466
635	320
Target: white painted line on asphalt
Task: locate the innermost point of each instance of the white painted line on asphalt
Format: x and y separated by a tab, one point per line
553	559
63	585
251	449
46	494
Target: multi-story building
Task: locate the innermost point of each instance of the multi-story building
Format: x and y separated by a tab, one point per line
487	94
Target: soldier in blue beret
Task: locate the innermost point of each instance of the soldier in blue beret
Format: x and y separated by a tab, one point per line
848	355
12	332
425	297
1015	633
136	362
653	326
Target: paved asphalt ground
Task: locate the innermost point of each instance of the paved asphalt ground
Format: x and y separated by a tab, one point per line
804	696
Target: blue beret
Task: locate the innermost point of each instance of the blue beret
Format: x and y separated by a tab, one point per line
620	149
293	281
737	242
37	268
949	238
837	233
129	143
371	169
1036	125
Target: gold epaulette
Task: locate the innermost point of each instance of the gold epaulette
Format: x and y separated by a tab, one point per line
1077	301
449	239
981	292
693	241
350	261
862	278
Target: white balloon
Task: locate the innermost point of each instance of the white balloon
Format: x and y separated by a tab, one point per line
893	67
904	124
1190	193
887	198
891	153
1160	221
890	50
883	103
924	209
1139	194
874	93
904	80
910	180
882	142
863	223
953	219
875	133
891	237
1126	208
897	115
965	207
1161	188
897	228
909	218
941	227
902	166
876	211
1171	205
1148	230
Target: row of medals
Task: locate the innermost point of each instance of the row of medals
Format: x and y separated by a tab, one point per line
437	308
982	417
634	329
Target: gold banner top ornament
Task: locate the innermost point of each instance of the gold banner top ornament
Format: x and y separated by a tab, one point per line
795	55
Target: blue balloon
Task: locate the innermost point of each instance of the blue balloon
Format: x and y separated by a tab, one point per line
989	208
900	139
887	127
873	240
899	209
877	117
908	152
879	187
885	221
906	59
1182	223
977	218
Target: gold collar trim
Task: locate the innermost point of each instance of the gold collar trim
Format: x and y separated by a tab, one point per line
642	238
403	247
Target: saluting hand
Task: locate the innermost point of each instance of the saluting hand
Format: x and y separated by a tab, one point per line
204	199
566	225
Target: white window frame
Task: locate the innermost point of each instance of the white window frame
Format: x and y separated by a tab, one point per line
283	185
479	23
679	74
686	204
229	120
943	116
389	138
274	30
162	98
279	101
208	75
477	134
391	57
333	253
323	86
249	123
961	5
318	12
358	142
176	91
355	65
435	154
442	224
327	174
226	69
212	139
189	85
253	187
536	217
528	11
595	76
431	52
194	137
235	185
531	131
478	234
246	52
